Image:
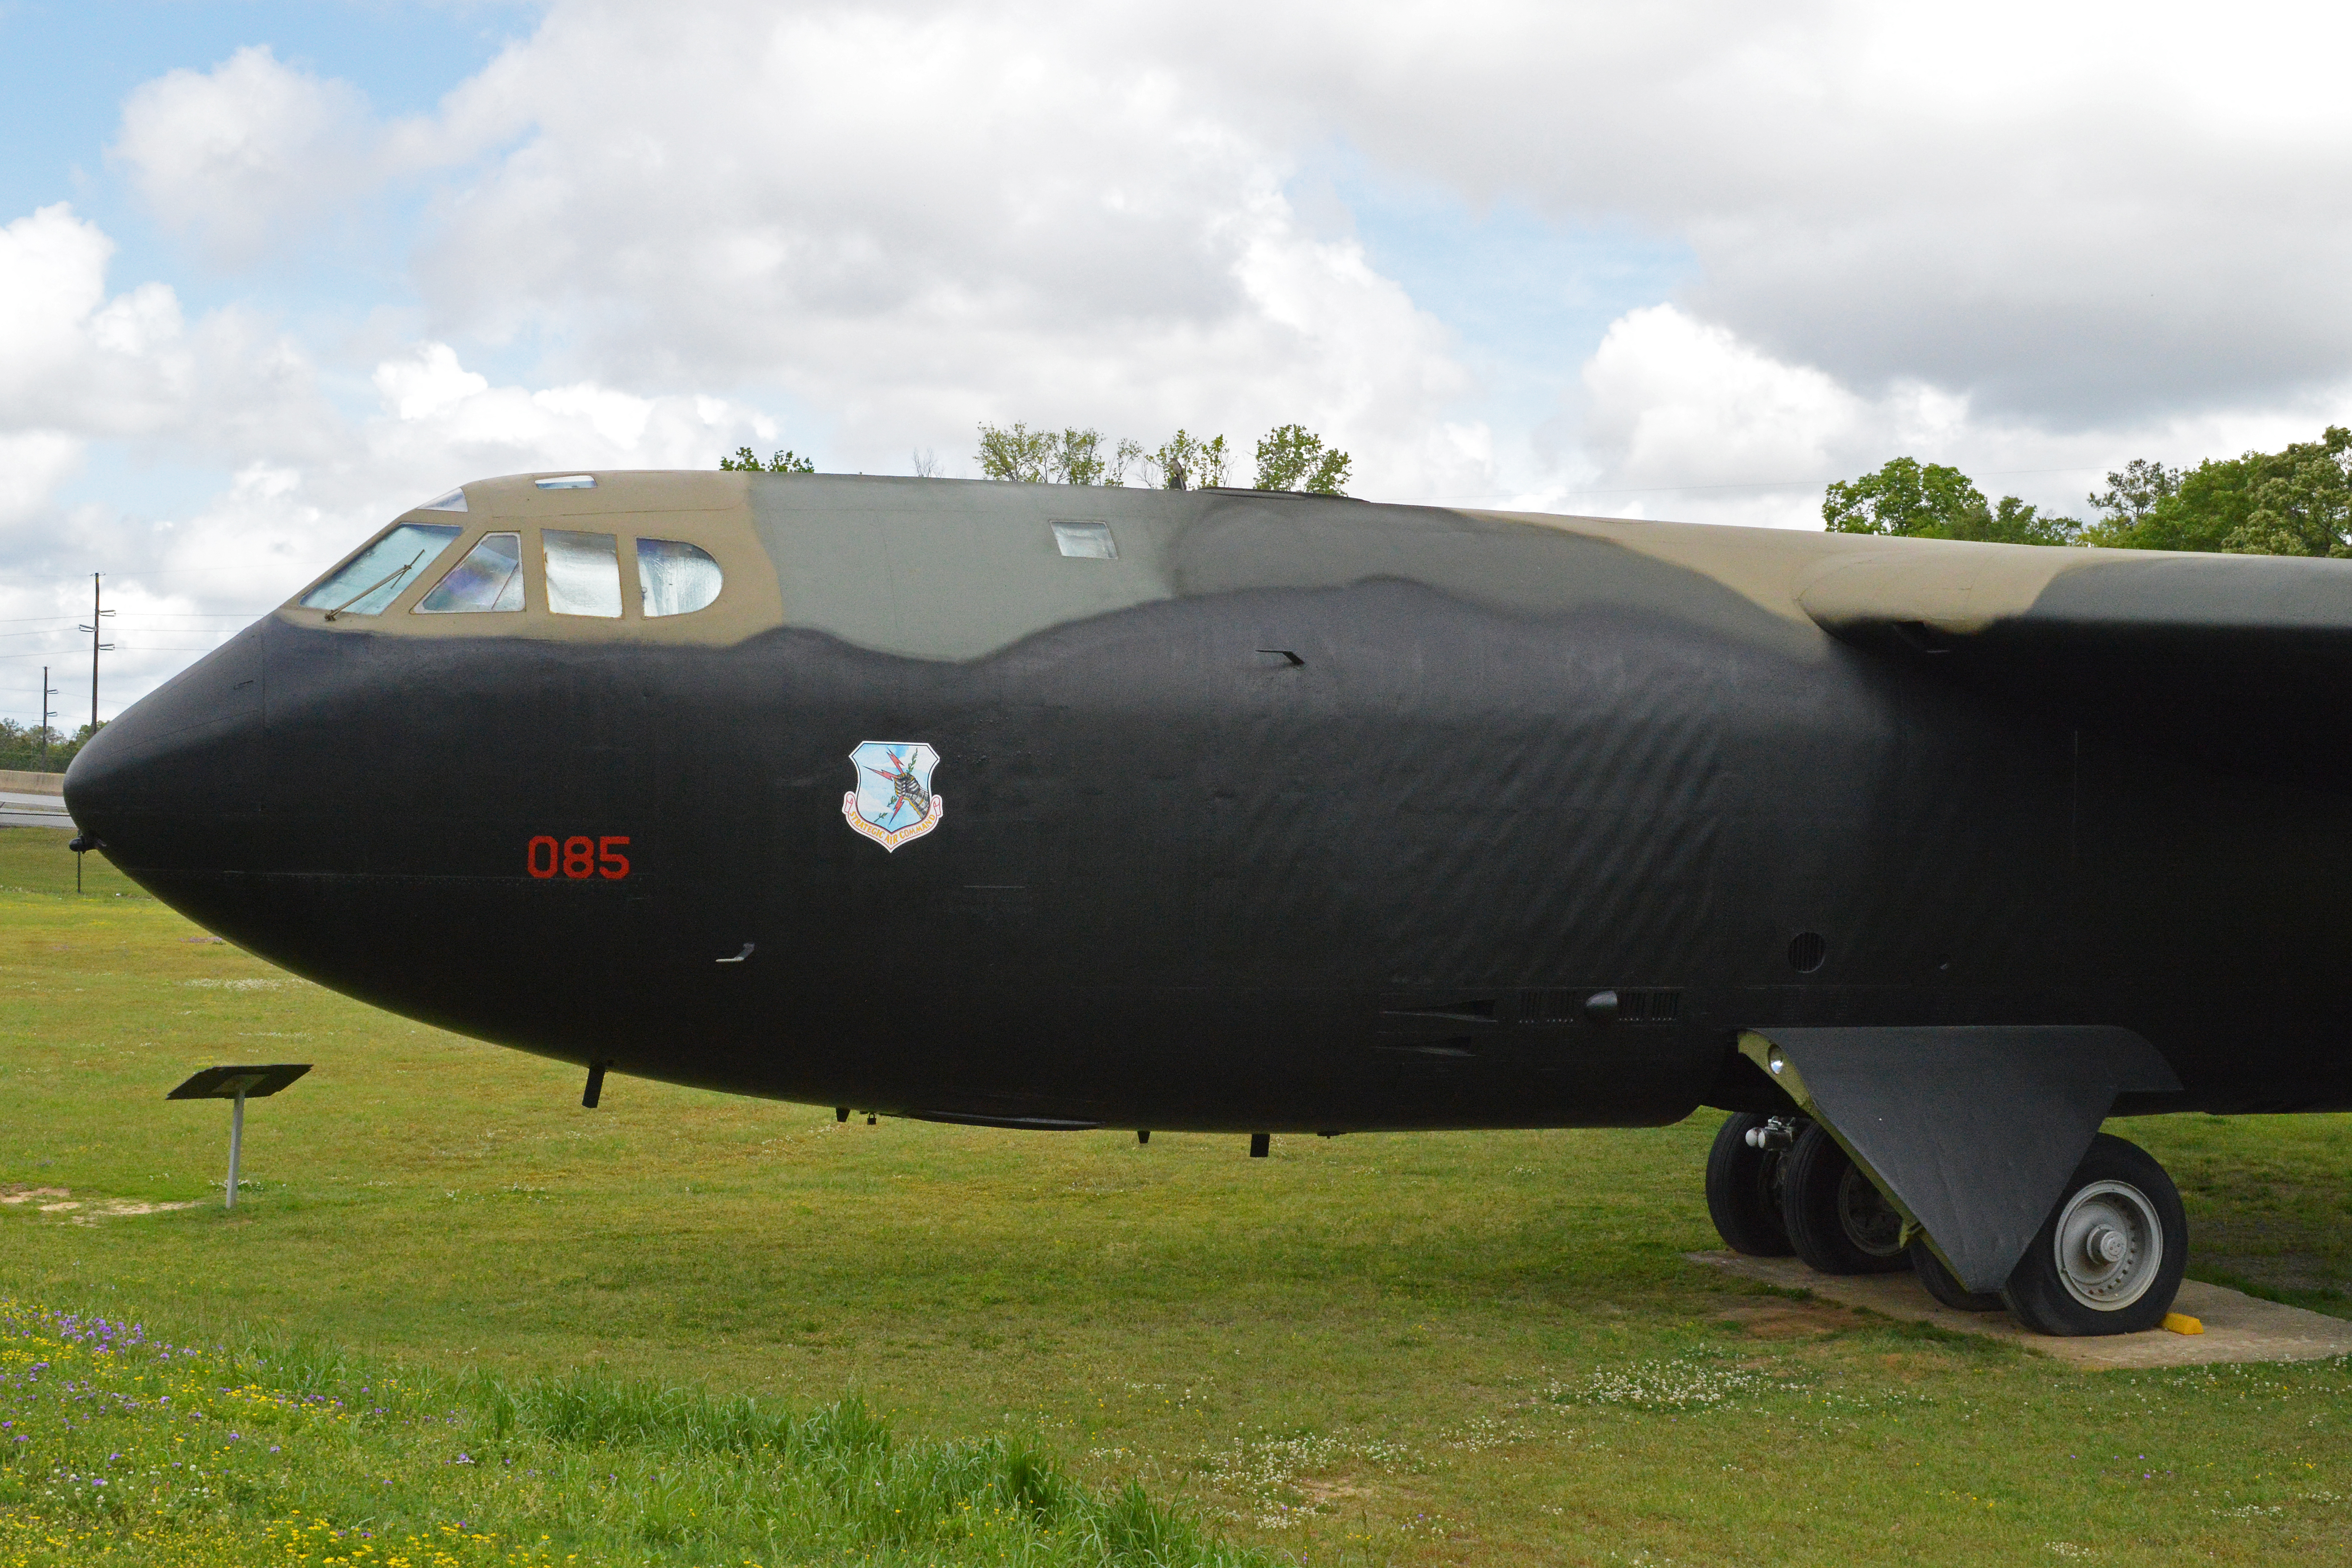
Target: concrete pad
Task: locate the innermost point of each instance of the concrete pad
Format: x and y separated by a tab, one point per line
2238	1326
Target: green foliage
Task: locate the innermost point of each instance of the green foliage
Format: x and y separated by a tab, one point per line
27	748
1185	463
1015	454
2294	502
747	461
1289	458
1073	456
1293	457
1932	501
1019	455
2130	498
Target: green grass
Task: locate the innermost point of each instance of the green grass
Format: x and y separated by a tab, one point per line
1434	1349
141	1452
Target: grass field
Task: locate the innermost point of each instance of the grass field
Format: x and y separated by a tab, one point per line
1476	1349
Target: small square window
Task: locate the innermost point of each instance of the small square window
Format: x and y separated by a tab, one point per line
583	573
1086	540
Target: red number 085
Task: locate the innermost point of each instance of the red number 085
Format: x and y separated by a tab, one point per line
578	857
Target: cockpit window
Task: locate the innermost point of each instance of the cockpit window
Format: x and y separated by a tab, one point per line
583	573
374	578
675	578
489	578
453	501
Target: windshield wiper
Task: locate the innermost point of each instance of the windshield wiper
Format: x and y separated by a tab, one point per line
392	576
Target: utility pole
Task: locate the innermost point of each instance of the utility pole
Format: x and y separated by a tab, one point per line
47	691
97	624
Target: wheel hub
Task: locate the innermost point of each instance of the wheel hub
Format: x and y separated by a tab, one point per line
1870	1221
2110	1246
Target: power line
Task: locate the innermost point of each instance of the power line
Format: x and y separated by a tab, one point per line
96	630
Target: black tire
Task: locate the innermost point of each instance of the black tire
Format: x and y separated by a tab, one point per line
1836	1220
1945	1287
2070	1282
1743	1190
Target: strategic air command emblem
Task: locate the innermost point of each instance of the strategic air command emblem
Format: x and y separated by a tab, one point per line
893	803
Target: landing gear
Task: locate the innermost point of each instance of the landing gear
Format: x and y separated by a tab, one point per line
1942	1150
2108	1259
1836	1220
1743	1183
1943	1285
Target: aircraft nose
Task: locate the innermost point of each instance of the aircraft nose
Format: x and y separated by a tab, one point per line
174	784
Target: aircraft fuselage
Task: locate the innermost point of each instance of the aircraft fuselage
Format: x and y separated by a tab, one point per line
1294	815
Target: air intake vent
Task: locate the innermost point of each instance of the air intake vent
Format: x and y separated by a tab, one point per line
1649	1006
1552	1006
1807	952
1636	1005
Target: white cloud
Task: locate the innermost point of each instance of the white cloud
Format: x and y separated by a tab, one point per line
421	386
52	277
1676	401
909	220
2075	216
898	221
442	424
239	155
1682	418
69	359
33	464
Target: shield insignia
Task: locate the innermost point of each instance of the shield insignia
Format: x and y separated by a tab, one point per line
893	803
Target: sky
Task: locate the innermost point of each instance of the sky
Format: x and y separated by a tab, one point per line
271	273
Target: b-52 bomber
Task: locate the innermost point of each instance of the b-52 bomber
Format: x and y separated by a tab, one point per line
1054	807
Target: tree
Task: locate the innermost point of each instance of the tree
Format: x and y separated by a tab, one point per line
1289	458
2132	494
1930	500
1068	457
22	747
1183	463
1077	458
2302	506
1293	457
746	461
2293	502
1014	454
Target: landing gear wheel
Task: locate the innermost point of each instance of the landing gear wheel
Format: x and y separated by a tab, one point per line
1743	1187
2109	1257
1945	1287
1836	1220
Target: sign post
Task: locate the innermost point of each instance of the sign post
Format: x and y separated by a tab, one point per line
235	1084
